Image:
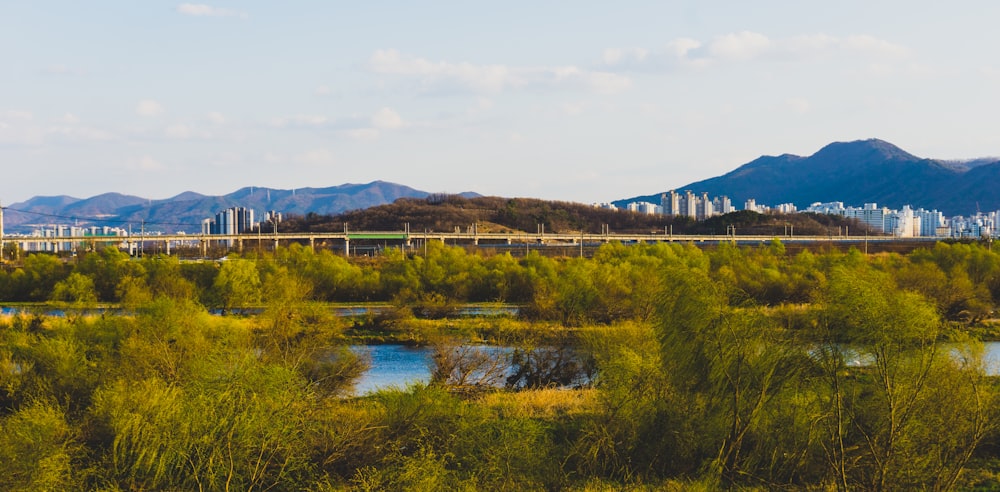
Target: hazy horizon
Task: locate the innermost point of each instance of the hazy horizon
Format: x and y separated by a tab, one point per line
588	103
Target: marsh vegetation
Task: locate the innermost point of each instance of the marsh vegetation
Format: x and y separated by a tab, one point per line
717	369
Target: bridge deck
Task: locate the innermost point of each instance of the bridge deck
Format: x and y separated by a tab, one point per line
452	237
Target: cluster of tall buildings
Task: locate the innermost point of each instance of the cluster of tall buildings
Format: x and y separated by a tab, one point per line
64	231
905	222
687	204
236	220
900	223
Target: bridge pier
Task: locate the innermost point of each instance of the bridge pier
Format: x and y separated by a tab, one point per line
168	246
347	246
312	243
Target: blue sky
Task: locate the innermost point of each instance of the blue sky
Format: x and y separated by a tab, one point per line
571	100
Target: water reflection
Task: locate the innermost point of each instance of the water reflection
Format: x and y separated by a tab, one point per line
398	365
395	365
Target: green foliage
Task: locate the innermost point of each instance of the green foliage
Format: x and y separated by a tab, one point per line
38	450
77	290
237	285
881	433
37	279
641	430
109	268
241	428
726	368
165	278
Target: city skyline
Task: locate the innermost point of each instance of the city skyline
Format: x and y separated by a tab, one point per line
586	103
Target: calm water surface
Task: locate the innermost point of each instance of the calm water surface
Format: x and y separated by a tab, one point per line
393	365
398	365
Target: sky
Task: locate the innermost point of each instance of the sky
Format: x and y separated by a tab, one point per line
585	101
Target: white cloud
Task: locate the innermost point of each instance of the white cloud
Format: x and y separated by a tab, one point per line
747	46
492	78
180	131
17	114
216	117
202	10
148	107
798	104
383	119
147	163
316	157
15	134
77	133
313	157
364	134
573	109
387	119
322	91
874	46
743	45
299	120
990	72
228	159
21	128
62	70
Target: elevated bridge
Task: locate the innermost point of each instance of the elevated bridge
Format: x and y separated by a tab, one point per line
406	239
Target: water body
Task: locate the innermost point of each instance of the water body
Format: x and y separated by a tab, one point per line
395	365
992	357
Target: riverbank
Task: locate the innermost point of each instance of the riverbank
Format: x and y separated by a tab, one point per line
491	323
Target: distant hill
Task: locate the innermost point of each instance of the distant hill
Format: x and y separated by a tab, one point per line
855	173
496	214
185	211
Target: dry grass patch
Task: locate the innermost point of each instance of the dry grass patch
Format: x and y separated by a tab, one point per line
542	403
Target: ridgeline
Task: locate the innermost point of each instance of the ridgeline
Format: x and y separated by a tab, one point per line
497	214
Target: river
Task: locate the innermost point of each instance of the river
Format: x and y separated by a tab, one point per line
394	365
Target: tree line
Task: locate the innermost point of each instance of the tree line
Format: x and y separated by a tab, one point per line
732	368
497	214
962	280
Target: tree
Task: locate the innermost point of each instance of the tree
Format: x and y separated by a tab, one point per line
304	336
463	365
238	285
108	268
900	381
77	291
38	277
165	279
727	363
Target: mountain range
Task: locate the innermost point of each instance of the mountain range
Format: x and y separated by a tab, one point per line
185	212
856	173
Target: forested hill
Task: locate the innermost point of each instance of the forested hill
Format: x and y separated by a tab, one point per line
855	173
496	214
